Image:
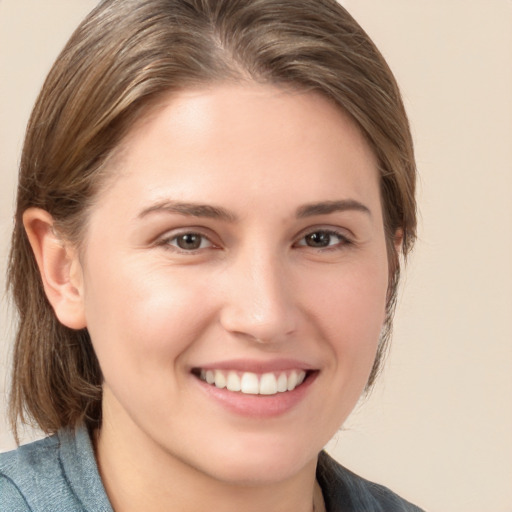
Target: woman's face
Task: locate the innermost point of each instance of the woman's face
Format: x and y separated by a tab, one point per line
240	244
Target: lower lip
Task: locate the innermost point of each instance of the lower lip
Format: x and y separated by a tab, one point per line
258	406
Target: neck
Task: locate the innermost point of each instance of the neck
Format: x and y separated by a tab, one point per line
138	475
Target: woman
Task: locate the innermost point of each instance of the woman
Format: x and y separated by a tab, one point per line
213	199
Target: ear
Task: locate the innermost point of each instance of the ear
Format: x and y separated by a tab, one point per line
60	268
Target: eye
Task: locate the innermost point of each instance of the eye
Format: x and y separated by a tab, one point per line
188	241
323	238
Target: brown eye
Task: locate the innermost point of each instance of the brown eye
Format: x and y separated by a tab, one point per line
323	238
188	242
318	239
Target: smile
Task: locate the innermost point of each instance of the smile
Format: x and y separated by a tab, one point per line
252	383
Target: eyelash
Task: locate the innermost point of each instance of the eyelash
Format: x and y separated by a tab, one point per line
343	241
167	242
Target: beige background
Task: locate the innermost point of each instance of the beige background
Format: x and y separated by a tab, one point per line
438	428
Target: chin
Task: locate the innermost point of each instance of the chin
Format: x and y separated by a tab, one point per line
261	462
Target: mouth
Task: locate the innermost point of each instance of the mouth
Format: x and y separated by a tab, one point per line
250	383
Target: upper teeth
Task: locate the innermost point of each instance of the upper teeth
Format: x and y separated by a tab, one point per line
253	383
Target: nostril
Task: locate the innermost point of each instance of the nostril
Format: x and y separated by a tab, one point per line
261	328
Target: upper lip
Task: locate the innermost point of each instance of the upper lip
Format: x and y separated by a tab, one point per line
255	366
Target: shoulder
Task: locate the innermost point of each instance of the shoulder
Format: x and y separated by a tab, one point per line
55	473
21	471
344	490
10	496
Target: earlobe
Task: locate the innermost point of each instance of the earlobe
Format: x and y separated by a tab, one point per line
59	267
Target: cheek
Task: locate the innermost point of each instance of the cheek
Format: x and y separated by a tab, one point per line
352	309
349	310
140	318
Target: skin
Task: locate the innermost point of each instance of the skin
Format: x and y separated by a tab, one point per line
255	289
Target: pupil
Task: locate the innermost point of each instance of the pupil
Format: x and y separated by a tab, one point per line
189	241
319	239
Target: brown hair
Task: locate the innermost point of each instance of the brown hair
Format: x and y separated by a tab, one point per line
122	58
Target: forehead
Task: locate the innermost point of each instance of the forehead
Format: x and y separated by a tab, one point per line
256	137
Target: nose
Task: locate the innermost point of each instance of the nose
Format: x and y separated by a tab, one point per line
258	302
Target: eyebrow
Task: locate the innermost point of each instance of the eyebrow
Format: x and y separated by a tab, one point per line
190	209
217	212
326	207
